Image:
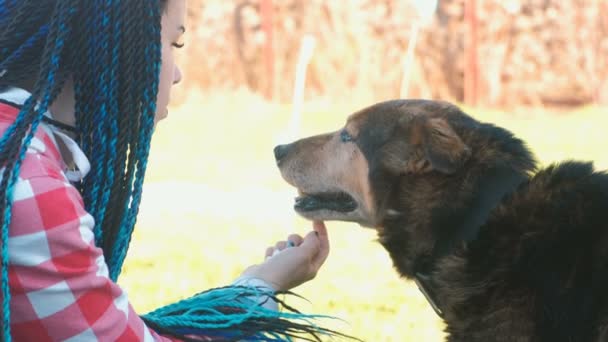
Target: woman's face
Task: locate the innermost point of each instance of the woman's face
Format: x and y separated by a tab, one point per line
173	27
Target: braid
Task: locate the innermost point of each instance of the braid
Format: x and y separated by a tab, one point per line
8	7
114	114
29	18
84	85
17	145
111	192
100	72
113	60
129	87
33	42
152	55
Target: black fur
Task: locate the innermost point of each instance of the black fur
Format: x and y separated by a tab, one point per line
537	269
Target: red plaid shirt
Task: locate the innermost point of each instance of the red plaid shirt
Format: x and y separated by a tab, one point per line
58	277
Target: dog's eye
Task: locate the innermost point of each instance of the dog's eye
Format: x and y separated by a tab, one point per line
345	137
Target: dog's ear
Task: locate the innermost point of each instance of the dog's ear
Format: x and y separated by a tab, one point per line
441	146
430	144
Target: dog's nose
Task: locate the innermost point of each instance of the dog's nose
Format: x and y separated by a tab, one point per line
280	151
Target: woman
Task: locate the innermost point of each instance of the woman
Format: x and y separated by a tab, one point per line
82	85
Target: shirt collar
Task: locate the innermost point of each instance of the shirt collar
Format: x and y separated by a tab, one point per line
18	96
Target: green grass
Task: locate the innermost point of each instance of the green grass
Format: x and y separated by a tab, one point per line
214	200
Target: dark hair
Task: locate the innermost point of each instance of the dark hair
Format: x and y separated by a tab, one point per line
112	51
115	66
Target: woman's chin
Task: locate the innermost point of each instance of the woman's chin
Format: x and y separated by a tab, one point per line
161	116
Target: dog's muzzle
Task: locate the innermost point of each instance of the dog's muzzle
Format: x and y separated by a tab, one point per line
281	151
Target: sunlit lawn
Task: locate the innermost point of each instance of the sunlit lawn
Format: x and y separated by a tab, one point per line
214	200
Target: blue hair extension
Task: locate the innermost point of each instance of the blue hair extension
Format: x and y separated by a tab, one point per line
113	112
233	313
48	82
153	55
84	78
5	7
95	180
130	89
15	55
20	20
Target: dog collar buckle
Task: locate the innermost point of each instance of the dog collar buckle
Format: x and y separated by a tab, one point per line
423	283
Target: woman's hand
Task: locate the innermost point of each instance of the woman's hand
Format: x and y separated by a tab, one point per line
287	267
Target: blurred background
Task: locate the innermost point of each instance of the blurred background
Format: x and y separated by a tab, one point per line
262	72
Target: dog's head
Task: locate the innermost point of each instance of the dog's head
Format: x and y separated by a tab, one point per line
350	174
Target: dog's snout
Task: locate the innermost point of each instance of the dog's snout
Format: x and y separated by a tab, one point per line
280	151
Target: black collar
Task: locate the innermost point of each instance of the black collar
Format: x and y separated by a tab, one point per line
46	119
492	189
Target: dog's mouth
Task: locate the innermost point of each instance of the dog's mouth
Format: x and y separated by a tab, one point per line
333	201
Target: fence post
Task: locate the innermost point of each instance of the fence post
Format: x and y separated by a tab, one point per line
266	12
601	92
471	68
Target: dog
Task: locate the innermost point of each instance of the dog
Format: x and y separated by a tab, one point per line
502	250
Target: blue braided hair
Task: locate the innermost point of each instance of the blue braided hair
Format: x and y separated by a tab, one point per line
111	49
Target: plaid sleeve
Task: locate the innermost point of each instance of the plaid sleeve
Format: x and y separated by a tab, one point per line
58	277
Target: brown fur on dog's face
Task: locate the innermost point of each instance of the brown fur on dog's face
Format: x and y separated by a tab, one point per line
333	172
